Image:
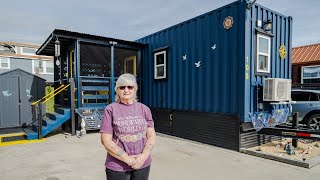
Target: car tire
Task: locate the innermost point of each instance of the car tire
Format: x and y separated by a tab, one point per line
313	122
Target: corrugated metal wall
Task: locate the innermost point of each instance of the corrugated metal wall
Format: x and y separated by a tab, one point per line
280	68
219	85
214	86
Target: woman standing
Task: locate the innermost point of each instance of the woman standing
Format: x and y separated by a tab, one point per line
127	133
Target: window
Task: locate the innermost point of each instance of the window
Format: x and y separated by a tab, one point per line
304	96
263	54
314	97
160	64
28	51
310	74
37	66
300	96
4	63
42	67
49	67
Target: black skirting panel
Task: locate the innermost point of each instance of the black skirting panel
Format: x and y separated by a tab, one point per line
215	129
251	139
162	122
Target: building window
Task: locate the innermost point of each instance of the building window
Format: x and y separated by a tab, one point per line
42	67
28	51
160	65
49	67
310	74
4	63
263	53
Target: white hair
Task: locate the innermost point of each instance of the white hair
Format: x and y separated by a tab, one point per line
126	80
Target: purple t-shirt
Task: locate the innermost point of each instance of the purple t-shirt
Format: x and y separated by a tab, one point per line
128	124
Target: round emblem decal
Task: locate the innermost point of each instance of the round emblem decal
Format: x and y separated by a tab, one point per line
227	23
282	51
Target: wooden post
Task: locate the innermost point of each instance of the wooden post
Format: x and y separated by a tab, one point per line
295	126
34	111
39	121
72	105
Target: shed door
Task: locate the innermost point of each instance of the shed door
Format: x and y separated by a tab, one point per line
9	101
27	96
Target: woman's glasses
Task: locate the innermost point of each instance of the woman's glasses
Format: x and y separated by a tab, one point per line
124	87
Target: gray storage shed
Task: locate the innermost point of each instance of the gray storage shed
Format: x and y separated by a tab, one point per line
18	89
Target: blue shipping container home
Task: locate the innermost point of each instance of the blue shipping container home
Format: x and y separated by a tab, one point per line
203	77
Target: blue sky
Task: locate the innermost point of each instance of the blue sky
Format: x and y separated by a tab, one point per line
32	21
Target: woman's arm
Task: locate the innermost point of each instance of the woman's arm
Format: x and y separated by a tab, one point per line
151	140
141	158
114	150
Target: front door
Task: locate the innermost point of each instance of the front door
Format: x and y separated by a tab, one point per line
130	65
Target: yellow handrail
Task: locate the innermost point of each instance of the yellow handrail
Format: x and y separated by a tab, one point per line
56	93
34	103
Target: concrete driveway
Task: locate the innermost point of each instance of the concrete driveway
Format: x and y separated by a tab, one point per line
64	157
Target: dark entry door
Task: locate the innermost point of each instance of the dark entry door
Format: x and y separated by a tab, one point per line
9	101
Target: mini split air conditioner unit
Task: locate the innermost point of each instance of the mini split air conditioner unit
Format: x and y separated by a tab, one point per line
277	89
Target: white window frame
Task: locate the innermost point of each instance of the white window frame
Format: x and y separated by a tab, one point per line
303	78
44	64
21	50
1	58
164	52
264	54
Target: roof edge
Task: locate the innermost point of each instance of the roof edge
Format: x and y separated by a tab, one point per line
18	69
308	45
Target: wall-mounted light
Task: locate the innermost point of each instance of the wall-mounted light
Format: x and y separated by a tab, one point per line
267	25
57	48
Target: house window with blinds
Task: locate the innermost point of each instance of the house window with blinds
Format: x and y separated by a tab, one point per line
263	54
4	63
160	64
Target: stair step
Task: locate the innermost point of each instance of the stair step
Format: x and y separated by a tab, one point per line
95	80
94	88
92	108
44	122
55	116
35	128
12	137
95	105
62	110
18	138
47	121
95	96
